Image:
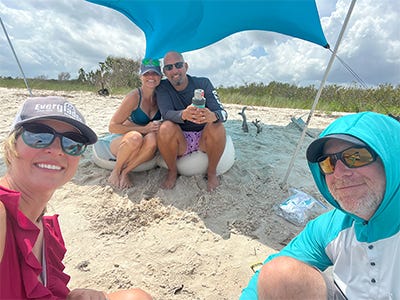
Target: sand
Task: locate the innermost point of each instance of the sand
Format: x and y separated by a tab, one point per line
183	243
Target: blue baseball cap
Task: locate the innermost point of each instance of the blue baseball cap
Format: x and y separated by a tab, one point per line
150	65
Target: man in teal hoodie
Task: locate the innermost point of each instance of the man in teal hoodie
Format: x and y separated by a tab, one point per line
356	165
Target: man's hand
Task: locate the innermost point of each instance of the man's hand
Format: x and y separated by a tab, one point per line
198	115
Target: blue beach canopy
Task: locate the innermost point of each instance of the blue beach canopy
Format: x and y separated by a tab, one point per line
185	25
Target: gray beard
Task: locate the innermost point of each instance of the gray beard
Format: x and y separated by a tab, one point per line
367	207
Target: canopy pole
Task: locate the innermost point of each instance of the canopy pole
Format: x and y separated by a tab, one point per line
15	55
285	180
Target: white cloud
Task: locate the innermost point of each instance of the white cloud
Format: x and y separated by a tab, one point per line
51	37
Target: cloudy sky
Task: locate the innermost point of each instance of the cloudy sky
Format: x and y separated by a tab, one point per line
54	36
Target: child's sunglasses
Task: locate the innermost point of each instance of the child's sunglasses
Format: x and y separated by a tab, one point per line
353	157
38	135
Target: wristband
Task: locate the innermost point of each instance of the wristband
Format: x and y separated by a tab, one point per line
217	115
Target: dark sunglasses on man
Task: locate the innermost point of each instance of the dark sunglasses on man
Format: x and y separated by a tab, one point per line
177	65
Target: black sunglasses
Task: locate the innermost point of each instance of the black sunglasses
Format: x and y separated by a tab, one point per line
178	65
353	157
38	136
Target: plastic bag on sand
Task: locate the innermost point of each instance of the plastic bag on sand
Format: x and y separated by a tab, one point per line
300	207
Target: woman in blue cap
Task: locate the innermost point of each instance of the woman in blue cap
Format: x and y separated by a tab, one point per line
135	125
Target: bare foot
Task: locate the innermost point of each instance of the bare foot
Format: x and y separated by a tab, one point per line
212	182
114	179
125	182
170	180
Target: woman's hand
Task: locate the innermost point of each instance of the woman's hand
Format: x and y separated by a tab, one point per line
86	294
152	126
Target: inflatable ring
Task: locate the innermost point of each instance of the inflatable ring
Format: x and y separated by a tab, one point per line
103	157
196	162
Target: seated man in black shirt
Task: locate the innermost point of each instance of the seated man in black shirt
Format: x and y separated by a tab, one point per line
187	128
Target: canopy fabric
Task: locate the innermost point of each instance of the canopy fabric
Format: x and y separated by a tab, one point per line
193	24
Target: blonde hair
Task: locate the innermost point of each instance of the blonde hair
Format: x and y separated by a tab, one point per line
10	152
9	146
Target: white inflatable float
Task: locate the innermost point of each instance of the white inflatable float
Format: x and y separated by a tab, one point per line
194	163
103	157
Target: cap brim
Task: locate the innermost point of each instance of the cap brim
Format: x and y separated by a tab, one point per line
151	70
314	150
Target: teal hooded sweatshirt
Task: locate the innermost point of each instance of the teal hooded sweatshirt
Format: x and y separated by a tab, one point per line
364	255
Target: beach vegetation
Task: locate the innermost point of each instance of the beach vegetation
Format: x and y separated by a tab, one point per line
119	75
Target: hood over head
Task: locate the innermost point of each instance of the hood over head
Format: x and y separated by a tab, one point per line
382	134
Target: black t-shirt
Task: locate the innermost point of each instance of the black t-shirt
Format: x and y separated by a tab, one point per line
171	102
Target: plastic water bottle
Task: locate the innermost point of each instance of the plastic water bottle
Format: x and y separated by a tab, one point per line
198	99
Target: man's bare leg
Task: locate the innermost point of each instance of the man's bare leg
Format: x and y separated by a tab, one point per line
288	278
212	182
170	179
213	140
171	143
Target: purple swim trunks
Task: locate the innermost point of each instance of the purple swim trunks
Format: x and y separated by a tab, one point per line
192	140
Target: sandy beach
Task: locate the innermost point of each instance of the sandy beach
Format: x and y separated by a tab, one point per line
183	243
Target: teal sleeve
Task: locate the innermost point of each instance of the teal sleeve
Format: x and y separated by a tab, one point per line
250	292
308	246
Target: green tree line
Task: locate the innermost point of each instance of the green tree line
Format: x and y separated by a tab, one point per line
119	75
384	98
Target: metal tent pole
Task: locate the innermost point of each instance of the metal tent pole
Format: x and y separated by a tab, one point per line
285	180
15	55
